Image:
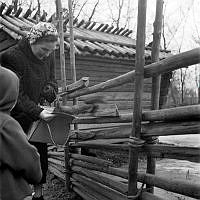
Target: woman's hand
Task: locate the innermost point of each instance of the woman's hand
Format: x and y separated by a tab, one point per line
46	115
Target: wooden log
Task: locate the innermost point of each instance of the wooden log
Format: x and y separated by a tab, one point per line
102	133
12	27
18	23
156	129
82	83
57	162
105	110
139	82
59	154
172	114
158	151
93	160
113	147
83	194
181	187
106	141
156	80
169	64
86	192
60	168
93	109
61	158
116	185
178	186
175	128
98	187
56	172
110	170
76	109
62	51
191	154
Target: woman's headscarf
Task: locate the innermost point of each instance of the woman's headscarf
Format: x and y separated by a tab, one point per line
40	30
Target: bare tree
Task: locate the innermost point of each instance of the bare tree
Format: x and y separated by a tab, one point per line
93	10
120	4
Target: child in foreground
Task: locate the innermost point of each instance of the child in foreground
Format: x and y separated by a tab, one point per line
19	160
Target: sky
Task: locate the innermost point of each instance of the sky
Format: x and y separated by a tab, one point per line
181	20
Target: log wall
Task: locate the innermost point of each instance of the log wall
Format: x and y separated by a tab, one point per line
99	70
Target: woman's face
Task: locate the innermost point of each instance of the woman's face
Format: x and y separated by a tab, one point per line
43	49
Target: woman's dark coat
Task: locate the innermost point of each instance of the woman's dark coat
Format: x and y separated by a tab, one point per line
34	74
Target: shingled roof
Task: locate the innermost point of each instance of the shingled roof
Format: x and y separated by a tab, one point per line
89	37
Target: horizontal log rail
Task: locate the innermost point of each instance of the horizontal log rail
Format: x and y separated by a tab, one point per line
148	129
116	185
156	150
177	186
90	159
175	128
191	112
171	63
86	192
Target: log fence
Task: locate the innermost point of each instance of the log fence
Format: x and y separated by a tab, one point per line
96	178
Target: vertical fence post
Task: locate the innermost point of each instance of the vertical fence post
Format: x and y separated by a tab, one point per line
72	51
155	95
64	83
62	51
137	113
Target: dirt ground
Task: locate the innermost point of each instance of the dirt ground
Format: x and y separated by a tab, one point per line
181	170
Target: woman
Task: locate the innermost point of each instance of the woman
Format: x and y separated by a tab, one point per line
33	61
19	160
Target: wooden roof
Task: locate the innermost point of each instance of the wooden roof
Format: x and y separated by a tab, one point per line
90	38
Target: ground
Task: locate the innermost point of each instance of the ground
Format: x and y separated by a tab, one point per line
182	170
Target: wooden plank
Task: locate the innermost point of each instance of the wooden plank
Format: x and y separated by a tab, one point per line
56	172
90	159
83	82
102	133
109	170
116	185
108	192
86	192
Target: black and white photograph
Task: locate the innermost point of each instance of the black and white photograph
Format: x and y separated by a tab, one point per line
99	99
